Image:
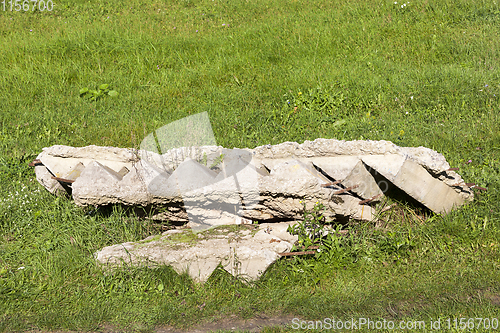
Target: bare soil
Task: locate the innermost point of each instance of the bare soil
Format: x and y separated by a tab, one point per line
232	323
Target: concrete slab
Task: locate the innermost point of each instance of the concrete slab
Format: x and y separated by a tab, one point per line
422	186
363	182
243	251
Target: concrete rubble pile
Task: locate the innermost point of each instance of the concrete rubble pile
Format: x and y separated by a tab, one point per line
211	186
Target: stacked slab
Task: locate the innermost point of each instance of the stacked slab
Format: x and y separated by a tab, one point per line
211	185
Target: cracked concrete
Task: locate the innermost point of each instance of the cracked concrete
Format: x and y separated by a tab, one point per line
216	186
211	188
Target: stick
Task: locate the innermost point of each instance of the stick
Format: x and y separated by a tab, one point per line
35	163
331	184
371	199
346	189
62	180
288	254
473	185
388	208
479	188
309	248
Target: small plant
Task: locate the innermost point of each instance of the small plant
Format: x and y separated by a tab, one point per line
332	248
311	229
204	159
101	91
217	161
396	244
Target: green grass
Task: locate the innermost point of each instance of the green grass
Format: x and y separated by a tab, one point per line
266	72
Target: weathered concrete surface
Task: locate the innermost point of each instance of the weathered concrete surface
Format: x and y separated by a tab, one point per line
431	192
362	182
244	251
210	185
69	162
109	186
436	193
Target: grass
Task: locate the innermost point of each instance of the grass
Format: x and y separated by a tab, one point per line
266	72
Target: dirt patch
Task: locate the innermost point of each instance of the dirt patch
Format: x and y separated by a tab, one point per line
494	298
234	324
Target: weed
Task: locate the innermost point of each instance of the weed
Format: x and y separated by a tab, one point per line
102	90
216	161
311	229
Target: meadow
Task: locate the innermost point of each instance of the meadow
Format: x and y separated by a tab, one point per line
417	73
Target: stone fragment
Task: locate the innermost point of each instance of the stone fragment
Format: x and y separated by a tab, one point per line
362	182
235	161
100	185
336	167
92	153
68	163
188	176
240	255
416	181
58	159
191	175
44	177
387	165
422	186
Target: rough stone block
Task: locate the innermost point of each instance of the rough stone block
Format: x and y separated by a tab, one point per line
244	252
422	186
100	185
363	183
387	165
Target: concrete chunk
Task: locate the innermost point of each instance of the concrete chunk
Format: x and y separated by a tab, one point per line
387	165
422	186
98	185
246	251
237	189
363	183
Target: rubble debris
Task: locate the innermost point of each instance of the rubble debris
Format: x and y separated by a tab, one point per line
216	186
245	251
219	193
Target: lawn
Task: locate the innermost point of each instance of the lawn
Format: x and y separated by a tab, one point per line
419	73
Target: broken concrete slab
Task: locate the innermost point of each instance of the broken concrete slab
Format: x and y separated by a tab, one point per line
387	165
46	179
233	163
188	176
292	184
431	192
212	184
59	160
362	182
68	162
336	167
244	251
103	185
415	180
